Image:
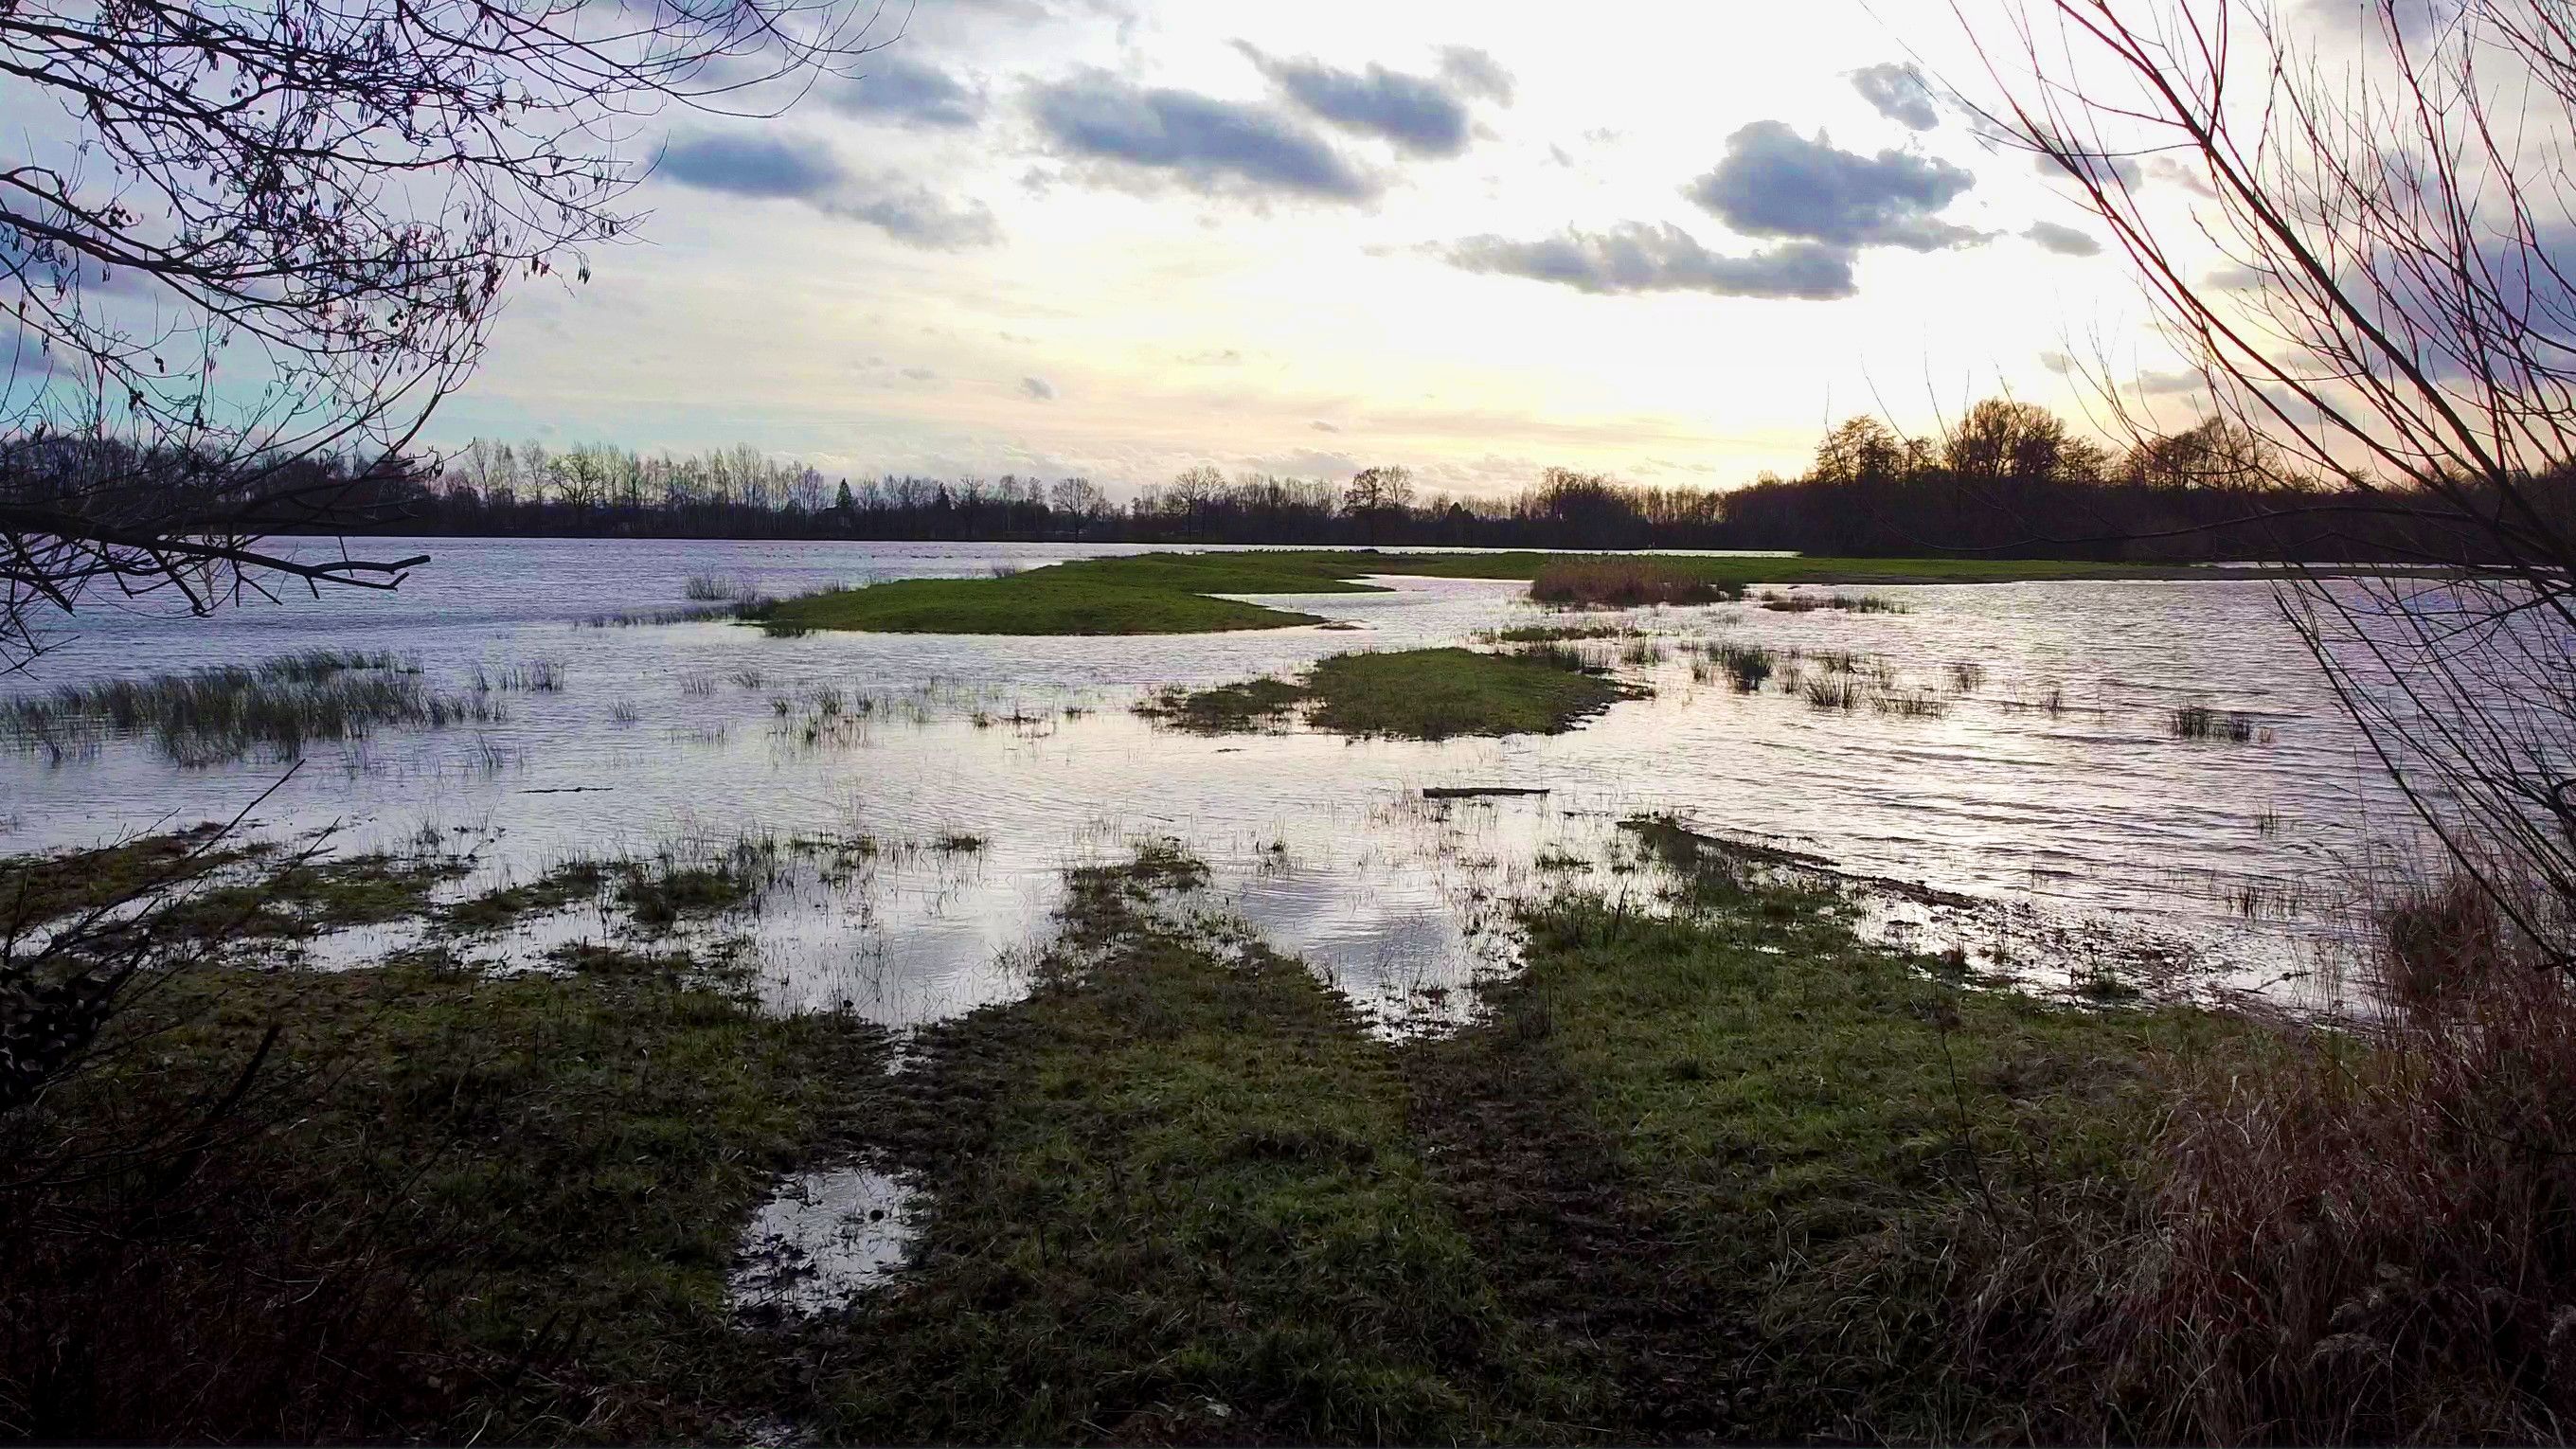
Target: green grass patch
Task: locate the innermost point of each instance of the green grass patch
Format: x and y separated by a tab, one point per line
445	1205
1172	1200
1812	1134
1152	594
1169	593
1420	694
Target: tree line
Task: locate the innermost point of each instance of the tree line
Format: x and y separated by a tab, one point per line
2007	479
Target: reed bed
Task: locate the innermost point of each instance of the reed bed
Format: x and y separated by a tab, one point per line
1780	603
1625	584
279	707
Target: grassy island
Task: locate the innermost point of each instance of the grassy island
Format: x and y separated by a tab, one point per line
1175	593
1417	694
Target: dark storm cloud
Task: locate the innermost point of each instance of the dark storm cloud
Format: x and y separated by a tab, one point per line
1038	388
2066	241
1417	113
1774	182
1635	257
785	168
1899	92
909	94
1208	143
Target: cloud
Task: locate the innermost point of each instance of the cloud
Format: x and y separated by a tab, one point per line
1898	92
2180	173
1776	183
785	169
1039	388
2066	241
1417	113
1319	425
2169	384
1208	143
1635	257
1306	463
2092	165
913	215
919	374
1478	74
748	165
898	90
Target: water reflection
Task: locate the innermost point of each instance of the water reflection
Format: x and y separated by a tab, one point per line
2048	785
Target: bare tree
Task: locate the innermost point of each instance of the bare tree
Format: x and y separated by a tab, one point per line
2356	232
268	238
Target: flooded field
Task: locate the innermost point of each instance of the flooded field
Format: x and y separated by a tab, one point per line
2015	765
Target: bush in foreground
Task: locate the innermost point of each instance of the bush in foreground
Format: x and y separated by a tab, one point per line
2369	1236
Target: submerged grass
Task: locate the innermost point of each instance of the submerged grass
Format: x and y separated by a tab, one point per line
279	707
2200	722
1841	603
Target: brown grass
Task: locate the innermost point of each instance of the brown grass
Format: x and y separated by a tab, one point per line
1625	584
2368	1236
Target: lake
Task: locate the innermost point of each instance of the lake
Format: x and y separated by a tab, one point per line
2049	791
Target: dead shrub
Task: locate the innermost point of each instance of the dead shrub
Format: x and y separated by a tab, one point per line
2362	1234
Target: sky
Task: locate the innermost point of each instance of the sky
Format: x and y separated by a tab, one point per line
1119	238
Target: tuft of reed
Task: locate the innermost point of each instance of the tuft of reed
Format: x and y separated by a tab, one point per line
2200	722
1833	692
1746	666
1909	704
708	586
1967	677
1564	656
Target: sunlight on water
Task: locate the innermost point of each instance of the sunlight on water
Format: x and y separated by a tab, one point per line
2032	807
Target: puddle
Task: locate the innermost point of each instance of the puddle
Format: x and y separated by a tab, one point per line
824	1238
